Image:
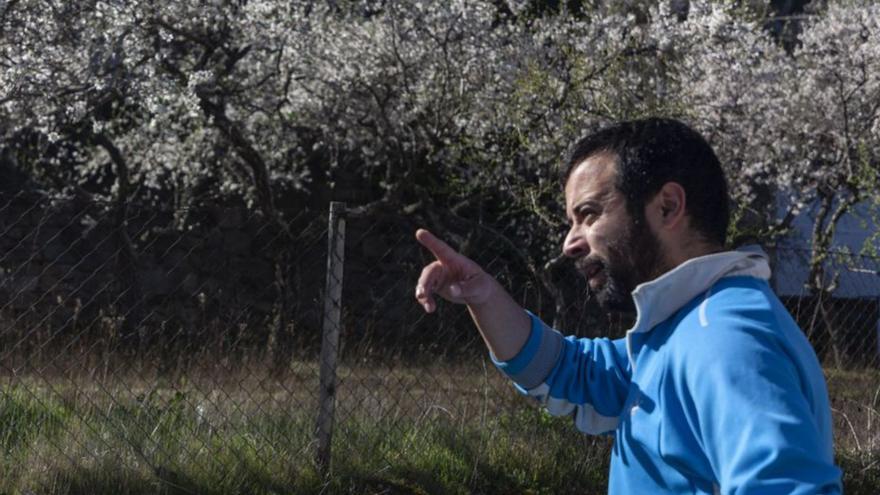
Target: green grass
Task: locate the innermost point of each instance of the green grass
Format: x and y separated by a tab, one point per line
467	433
144	447
525	451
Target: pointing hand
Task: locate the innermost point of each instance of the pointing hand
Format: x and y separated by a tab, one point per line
452	276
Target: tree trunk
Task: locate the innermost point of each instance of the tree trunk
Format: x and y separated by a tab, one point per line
133	332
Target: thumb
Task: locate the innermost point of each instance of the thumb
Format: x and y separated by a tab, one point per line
471	290
455	290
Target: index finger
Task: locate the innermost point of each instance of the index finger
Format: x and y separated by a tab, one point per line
438	248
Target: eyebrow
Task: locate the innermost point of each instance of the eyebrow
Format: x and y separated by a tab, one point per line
591	203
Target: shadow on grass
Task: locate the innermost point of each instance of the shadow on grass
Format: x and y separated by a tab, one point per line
107	478
523	452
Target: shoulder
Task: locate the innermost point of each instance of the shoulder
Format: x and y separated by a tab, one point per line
737	319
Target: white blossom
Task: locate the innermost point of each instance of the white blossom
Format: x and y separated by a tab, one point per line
444	86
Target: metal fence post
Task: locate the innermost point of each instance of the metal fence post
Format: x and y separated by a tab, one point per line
330	341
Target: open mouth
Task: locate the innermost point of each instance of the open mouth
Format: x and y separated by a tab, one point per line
593	271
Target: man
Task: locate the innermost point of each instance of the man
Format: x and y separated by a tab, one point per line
715	389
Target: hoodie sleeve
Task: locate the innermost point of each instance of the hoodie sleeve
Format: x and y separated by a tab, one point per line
585	378
751	405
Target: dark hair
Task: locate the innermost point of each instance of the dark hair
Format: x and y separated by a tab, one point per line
652	152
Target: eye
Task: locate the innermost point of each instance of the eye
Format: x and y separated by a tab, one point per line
587	214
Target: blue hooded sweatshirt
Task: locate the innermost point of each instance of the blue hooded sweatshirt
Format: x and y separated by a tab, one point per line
714	390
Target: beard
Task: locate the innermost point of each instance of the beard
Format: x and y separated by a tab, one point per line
633	258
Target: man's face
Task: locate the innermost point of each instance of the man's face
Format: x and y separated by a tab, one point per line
613	251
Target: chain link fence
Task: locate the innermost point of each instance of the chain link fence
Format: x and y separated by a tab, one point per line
225	347
143	346
840	310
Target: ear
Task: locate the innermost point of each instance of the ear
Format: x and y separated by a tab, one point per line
667	208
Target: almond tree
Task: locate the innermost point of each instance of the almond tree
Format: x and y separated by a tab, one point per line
802	125
454	113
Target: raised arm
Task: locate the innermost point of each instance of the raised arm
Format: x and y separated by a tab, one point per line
502	322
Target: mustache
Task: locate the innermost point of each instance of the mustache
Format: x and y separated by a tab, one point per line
589	263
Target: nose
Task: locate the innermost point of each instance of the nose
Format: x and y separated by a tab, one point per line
575	245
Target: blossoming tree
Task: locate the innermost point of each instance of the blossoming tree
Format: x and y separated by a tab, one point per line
456	113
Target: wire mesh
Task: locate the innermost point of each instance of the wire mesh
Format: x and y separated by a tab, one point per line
170	345
178	345
403	367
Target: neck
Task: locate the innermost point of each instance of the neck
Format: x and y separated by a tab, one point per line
689	248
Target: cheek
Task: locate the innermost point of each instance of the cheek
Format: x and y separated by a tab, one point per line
608	231
618	247
600	239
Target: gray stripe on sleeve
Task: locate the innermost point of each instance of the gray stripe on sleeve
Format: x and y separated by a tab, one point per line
544	360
